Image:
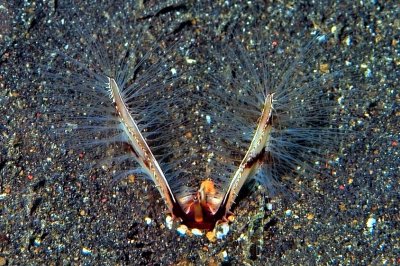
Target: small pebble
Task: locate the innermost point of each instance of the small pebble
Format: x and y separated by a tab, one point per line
197	232
324	68
211	236
131	179
342	207
224	255
348	41
208	119
188	135
322	39
169	222
148	220
223	230
37	242
190	61
368	73
242	237
86	251
371	224
182	229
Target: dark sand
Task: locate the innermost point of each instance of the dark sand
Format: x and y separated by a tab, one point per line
52	213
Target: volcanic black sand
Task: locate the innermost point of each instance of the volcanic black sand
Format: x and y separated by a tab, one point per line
53	211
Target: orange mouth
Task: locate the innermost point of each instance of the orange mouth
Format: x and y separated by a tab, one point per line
201	211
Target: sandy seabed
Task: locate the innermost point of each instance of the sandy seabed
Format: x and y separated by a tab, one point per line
53	212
